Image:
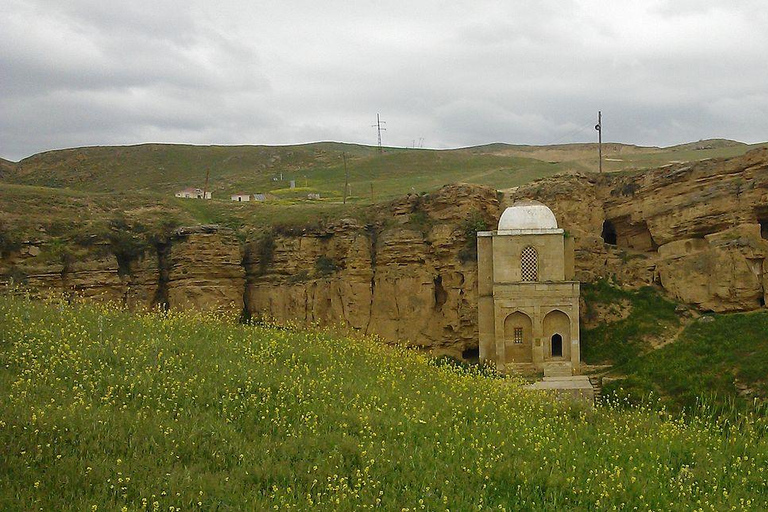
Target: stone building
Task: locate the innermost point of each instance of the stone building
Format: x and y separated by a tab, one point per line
528	311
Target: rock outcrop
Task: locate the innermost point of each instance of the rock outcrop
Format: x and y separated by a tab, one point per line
409	276
699	231
196	268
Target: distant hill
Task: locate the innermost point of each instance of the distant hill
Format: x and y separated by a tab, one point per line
319	167
6	168
707	144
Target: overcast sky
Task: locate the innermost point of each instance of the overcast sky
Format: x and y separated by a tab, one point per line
455	73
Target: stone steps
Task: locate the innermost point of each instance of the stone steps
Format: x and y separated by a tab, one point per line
597	386
558	369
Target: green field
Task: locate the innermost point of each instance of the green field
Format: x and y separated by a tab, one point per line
319	167
76	193
104	410
722	358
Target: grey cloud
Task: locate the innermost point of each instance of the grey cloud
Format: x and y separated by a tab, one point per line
456	73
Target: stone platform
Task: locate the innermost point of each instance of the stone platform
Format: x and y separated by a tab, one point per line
576	387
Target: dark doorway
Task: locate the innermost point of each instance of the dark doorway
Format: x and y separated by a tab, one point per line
557	345
471	355
609	233
764	228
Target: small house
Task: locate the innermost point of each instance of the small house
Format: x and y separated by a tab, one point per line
193	193
241	197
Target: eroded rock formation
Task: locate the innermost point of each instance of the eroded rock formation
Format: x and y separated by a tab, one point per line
409	276
699	231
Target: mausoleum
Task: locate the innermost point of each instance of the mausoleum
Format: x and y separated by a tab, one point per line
528	311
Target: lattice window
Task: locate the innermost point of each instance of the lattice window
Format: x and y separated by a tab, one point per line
529	264
518	334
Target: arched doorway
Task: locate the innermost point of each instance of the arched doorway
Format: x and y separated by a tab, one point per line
557	345
557	335
518	338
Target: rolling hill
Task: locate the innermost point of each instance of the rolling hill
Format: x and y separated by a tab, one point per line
319	167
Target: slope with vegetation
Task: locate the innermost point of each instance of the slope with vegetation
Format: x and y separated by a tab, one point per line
104	410
319	167
660	351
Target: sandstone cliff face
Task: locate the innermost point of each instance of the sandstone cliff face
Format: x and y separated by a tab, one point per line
407	277
199	268
204	270
698	231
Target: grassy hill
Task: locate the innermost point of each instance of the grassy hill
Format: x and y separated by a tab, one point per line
73	191
164	168
319	167
102	410
659	349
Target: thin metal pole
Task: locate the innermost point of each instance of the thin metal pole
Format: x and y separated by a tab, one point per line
600	140
346	177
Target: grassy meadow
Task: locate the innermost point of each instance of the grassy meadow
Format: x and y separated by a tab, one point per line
106	410
319	167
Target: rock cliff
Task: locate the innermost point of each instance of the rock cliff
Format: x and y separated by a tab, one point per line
698	230
198	268
410	274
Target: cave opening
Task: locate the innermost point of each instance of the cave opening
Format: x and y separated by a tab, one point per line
763	228
609	232
441	296
471	354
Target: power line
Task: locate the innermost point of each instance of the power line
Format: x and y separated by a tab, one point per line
584	129
378	126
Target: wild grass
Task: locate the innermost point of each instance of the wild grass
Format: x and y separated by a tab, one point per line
623	341
721	357
104	410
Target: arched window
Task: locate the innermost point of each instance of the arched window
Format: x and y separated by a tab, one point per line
529	264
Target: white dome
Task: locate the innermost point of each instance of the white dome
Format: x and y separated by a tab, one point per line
527	215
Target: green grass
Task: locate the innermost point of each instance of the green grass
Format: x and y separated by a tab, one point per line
165	168
620	342
315	167
724	358
102	410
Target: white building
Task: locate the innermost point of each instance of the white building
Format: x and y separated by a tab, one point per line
193	193
241	197
528	311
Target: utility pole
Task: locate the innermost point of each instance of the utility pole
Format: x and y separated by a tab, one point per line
599	128
205	188
378	126
346	177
